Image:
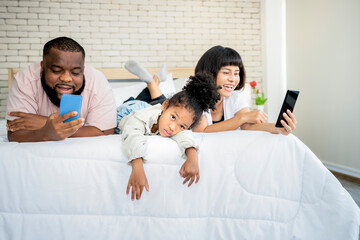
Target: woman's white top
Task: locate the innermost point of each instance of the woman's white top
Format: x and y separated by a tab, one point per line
231	105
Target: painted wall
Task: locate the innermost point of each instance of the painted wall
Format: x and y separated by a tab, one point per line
323	62
273	39
112	31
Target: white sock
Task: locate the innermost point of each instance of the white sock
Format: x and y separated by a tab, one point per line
138	70
162	73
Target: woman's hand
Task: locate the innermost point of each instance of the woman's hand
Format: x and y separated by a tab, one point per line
288	126
256	116
190	169
137	180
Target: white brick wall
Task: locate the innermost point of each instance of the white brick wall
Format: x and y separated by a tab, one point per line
112	31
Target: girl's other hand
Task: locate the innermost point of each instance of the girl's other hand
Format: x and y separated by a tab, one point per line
190	169
137	180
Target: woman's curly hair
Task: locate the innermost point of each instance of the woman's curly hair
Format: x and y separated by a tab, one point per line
199	94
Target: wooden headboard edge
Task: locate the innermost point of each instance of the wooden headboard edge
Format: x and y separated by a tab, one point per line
123	74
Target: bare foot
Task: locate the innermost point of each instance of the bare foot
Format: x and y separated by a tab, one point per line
155	81
153	87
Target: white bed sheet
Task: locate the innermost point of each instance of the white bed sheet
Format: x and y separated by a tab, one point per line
253	185
3	131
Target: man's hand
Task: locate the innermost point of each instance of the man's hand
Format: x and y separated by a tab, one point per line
137	180
25	121
190	169
55	129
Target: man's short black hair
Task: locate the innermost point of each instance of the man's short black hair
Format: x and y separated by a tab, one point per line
63	44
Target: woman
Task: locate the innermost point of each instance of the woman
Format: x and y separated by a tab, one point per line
232	112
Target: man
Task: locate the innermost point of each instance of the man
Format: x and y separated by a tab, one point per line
34	98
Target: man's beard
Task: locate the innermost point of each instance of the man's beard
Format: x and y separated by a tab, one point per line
52	94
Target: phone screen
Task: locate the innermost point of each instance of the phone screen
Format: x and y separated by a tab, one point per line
69	103
289	103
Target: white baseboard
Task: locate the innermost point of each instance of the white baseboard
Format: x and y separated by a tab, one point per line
342	169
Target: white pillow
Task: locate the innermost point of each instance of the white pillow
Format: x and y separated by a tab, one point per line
121	94
180	83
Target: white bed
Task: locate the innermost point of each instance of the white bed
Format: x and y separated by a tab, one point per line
259	186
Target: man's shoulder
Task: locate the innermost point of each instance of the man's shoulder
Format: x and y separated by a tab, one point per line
29	74
92	73
95	80
97	86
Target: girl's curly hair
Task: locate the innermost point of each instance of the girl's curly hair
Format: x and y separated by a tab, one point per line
198	95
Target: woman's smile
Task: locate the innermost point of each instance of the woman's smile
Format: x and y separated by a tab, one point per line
228	78
228	87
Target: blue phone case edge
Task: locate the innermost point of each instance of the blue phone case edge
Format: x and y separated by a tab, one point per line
69	104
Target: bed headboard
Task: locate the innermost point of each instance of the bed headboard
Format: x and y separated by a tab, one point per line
119	74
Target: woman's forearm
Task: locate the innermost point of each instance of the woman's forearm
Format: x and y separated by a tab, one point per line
266	127
227	125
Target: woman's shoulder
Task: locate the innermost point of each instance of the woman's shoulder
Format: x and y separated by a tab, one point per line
236	101
236	96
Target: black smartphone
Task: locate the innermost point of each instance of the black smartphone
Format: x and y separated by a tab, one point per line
289	103
69	103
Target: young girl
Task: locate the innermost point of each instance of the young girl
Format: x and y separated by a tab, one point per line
231	111
172	119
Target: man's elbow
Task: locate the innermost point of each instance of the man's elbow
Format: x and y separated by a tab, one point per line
90	131
109	131
12	137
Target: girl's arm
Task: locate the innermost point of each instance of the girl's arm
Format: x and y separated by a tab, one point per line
137	180
190	169
134	147
187	144
133	135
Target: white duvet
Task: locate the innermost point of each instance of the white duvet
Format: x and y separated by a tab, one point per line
253	185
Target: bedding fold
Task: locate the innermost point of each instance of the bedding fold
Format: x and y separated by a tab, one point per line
253	185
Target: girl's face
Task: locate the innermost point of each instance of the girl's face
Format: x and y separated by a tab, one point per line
228	78
174	119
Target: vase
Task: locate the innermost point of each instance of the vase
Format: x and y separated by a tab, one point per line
260	107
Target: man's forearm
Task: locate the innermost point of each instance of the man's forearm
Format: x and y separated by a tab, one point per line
39	135
27	136
89	131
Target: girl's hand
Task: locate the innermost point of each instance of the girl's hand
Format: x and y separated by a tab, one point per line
256	116
289	125
137	180
190	169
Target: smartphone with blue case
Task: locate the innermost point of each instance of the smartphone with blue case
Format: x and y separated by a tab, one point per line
69	103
